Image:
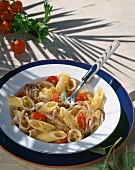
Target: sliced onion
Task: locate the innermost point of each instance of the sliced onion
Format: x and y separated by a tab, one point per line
102	116
15	120
49	116
34	132
44	83
38	105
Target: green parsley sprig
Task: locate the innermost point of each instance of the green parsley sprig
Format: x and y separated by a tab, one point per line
33	26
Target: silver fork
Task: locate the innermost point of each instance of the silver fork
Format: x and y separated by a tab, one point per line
94	69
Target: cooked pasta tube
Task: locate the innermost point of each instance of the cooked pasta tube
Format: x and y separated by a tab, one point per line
71	86
48	107
27	103
74	135
68	118
41	126
47	93
17	116
97	98
51	136
14	101
17	113
63	82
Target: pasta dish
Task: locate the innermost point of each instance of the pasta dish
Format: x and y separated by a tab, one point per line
40	110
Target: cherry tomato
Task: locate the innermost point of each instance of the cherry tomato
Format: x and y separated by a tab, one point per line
1	11
56	98
5	27
81	97
61	141
38	116
7	15
4	5
81	120
17	6
21	94
18	46
52	79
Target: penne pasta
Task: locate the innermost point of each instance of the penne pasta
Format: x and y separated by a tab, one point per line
68	118
63	82
74	135
41	126
47	93
27	103
51	136
48	107
14	101
97	98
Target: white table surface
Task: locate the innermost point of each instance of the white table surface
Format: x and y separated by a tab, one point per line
80	30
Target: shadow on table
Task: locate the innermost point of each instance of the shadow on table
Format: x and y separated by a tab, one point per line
65	41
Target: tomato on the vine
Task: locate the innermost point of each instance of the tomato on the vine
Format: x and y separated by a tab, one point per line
7	15
52	79
81	97
4	5
18	46
5	27
17	6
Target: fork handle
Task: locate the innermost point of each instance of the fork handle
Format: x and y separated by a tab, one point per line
100	62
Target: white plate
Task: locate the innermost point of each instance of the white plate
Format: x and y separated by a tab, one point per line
111	107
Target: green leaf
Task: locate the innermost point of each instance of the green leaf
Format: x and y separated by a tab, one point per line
101	151
101	167
63	98
127	160
110	167
20	22
115	162
47	9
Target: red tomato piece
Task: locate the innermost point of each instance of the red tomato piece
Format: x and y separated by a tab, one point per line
81	120
81	97
1	11
18	46
56	98
7	15
61	141
5	27
4	5
38	116
21	94
52	79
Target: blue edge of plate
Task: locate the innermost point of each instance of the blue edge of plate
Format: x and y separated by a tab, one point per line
80	158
